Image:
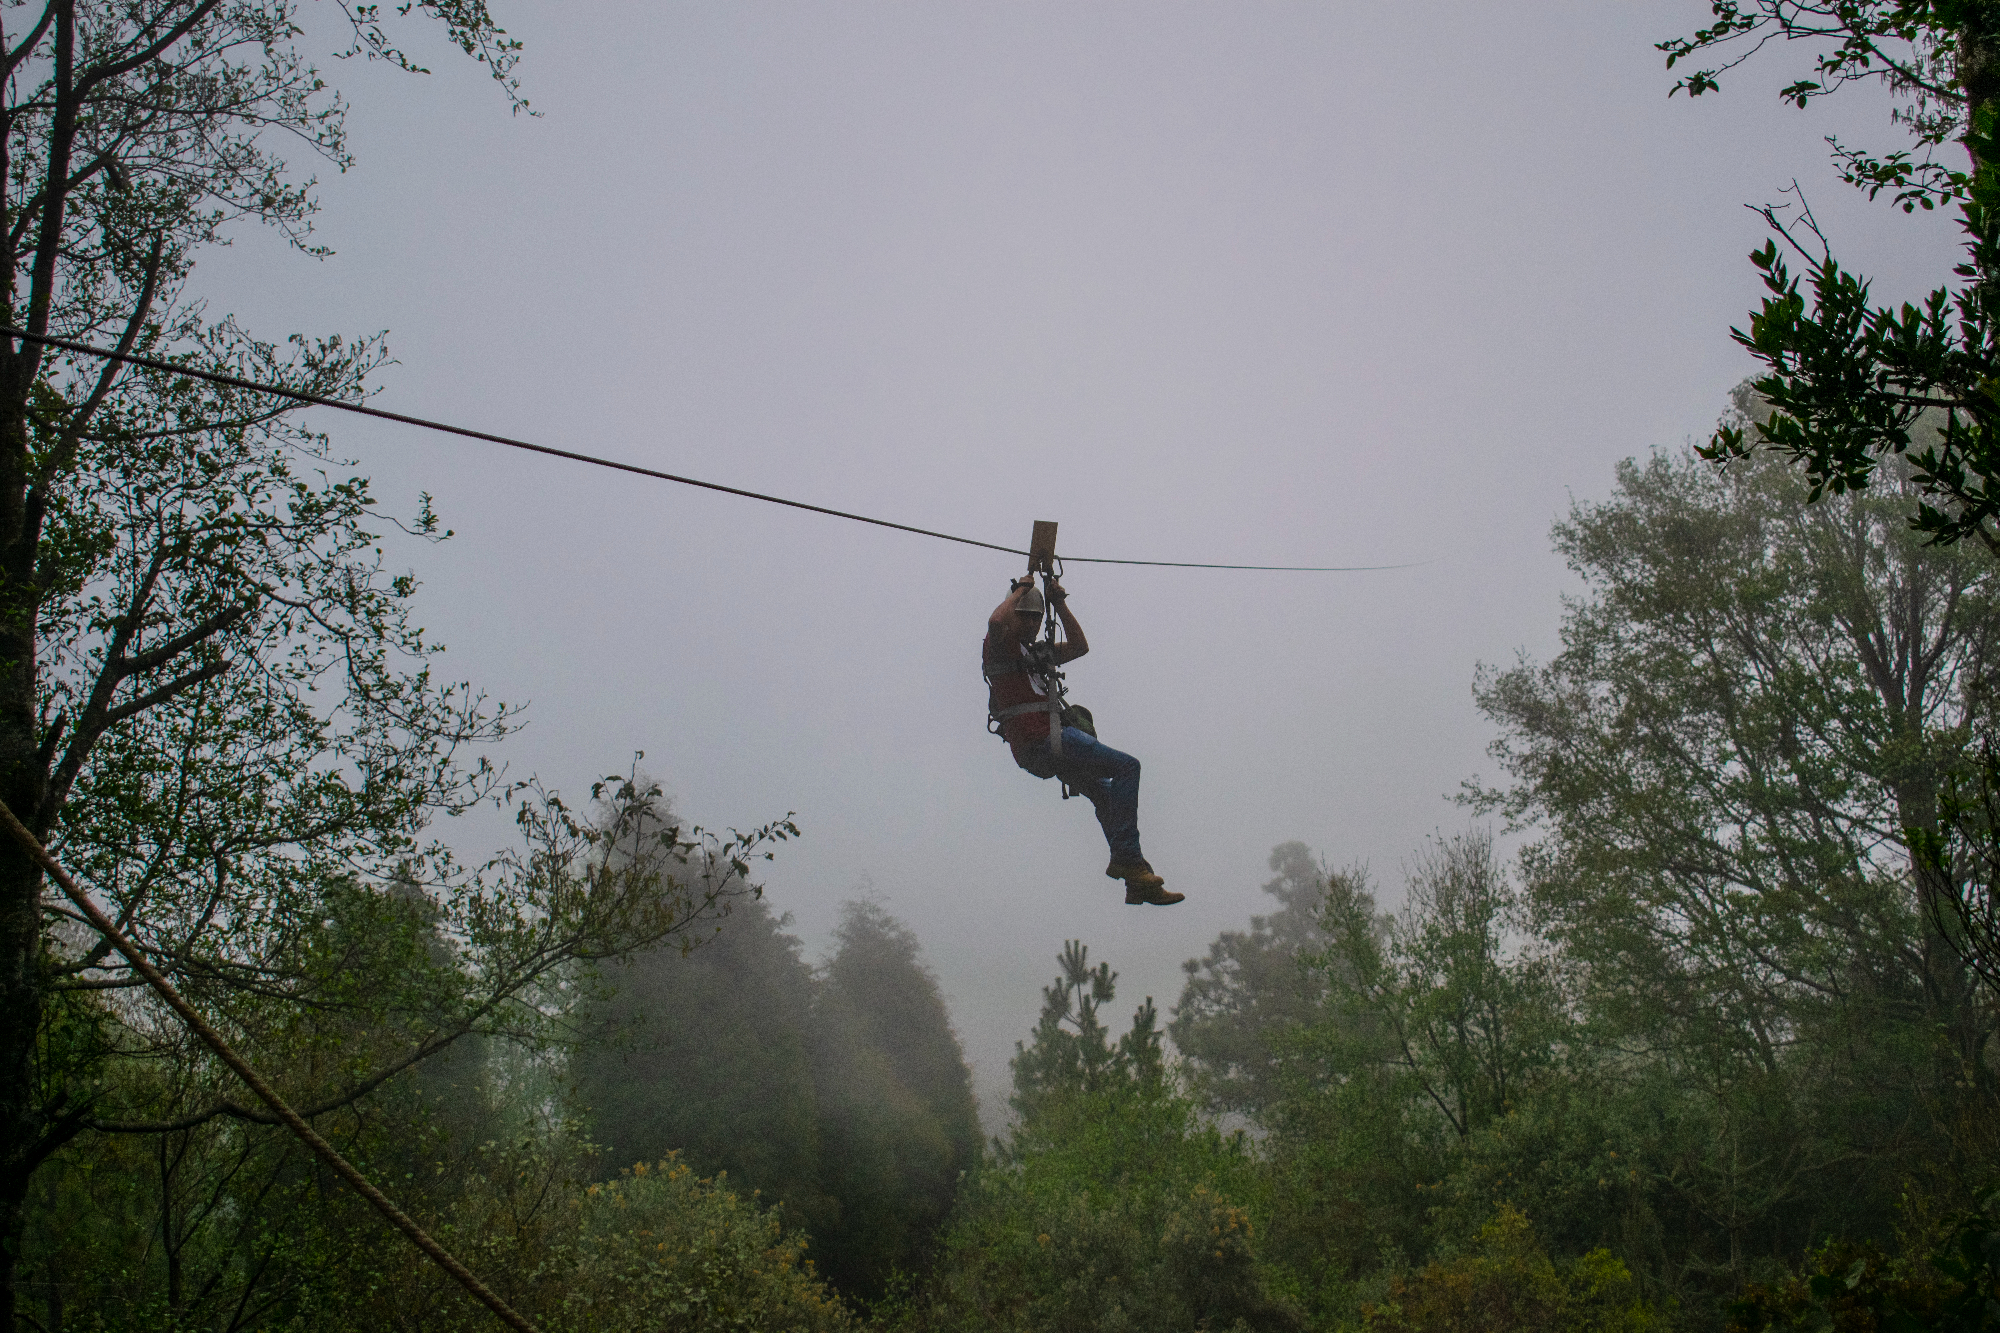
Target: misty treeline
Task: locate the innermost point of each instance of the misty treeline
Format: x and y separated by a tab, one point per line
839	1094
653	1150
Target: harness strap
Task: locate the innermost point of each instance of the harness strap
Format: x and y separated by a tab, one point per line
1046	675
1052	704
1039	667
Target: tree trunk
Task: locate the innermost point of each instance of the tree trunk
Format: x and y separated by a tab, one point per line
23	781
24	1132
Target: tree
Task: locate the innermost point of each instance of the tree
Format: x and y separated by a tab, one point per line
1758	698
1252	988
899	1124
398	1020
706	1054
844	1098
214	702
1755	699
1850	384
1430	991
1110	1205
1072	1051
1432	1029
1461	1022
1961	851
665	1248
1850	380
1954	1289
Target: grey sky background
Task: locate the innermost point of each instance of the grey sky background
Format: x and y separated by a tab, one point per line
1258	282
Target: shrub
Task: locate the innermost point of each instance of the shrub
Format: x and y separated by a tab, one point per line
1509	1282
1848	1288
661	1250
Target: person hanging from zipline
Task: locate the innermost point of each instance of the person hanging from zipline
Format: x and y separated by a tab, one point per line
1053	739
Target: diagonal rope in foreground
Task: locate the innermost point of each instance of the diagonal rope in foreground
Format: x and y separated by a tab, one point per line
325	1151
316	400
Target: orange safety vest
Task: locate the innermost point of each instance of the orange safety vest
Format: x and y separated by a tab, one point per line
1010	686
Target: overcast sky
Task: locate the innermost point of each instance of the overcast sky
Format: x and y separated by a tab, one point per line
1321	283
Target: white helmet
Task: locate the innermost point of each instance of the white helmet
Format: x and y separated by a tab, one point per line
1031	603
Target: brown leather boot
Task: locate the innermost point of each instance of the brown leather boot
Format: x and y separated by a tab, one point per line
1142	885
1150	889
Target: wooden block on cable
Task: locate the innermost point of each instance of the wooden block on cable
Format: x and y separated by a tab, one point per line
1042	548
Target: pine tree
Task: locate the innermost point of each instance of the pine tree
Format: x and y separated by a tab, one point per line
899	1120
704	1053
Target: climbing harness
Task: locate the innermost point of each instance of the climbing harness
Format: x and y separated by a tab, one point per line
1037	661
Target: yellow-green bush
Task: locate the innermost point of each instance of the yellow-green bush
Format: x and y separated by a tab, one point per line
1121	1214
656	1250
1508	1282
662	1250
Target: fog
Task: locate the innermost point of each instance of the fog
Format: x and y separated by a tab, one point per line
1254	283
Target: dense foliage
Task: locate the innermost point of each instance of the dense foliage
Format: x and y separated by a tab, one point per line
899	1125
1852	386
707	1055
1707	1041
1253	989
1506	1281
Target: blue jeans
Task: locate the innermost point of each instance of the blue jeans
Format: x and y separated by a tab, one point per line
1110	778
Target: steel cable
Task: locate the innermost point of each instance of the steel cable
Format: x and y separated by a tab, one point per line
362	409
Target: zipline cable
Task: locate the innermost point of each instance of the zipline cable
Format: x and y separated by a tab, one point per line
325	1151
316	400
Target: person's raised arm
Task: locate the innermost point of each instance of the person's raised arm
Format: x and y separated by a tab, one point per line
1074	645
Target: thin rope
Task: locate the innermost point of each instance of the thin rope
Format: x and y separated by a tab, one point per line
316	400
265	1092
